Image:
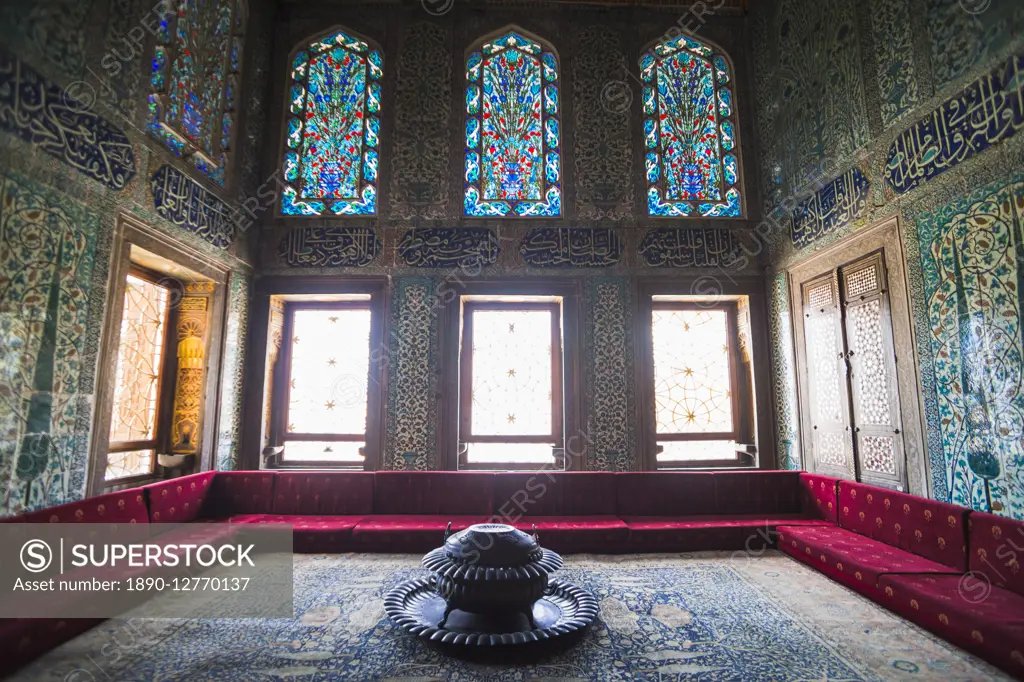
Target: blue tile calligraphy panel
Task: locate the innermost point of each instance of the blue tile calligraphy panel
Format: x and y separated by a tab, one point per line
313	247
181	200
689	247
837	204
579	247
44	114
448	247
987	111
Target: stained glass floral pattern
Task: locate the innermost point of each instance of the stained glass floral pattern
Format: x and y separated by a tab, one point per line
194	80
332	136
689	128
140	355
513	137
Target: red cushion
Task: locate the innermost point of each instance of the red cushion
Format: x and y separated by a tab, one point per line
332	533
178	500
567	534
852	554
349	492
986	622
407	532
125	506
546	493
664	494
25	639
931	529
681	534
432	492
997	544
240	492
818	496
757	492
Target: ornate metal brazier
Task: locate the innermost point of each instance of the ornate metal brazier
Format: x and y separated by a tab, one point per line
490	586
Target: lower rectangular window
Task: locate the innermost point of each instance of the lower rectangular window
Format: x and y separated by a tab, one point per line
326	353
511	382
695	383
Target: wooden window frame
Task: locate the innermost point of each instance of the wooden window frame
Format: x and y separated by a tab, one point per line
740	397
752	367
281	399
130	233
163	412
289	288
466	435
571	453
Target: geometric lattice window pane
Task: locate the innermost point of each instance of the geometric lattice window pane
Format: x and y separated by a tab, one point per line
689	131
332	135
330	357
824	372
194	80
692	384
833	449
139	361
861	282
124	464
511	373
871	379
513	163
877	454
820	294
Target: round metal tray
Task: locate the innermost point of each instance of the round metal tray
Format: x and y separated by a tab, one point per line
416	607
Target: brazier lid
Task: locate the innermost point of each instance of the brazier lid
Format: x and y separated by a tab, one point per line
492	544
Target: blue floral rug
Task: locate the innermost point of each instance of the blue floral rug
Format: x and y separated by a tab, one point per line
706	616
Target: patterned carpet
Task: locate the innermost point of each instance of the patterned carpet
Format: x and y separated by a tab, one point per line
707	616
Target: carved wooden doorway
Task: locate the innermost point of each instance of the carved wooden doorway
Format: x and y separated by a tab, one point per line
857	375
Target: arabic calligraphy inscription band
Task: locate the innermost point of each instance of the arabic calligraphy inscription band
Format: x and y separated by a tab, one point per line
549	247
184	202
837	204
44	114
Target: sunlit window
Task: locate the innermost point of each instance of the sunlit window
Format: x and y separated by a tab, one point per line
511	376
694	401
327	355
141	359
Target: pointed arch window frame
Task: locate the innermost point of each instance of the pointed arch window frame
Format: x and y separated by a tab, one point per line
552	193
289	203
164	57
732	203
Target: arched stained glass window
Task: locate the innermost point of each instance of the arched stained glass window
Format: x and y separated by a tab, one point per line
332	129
690	127
195	80
513	165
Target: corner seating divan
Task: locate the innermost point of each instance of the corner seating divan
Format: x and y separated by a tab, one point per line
948	569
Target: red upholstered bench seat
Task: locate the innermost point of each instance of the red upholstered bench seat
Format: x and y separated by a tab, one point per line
312	534
965	610
593	533
851	558
709	531
407	532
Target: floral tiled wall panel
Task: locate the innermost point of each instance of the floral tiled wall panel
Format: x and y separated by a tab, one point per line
408	348
46	265
972	258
